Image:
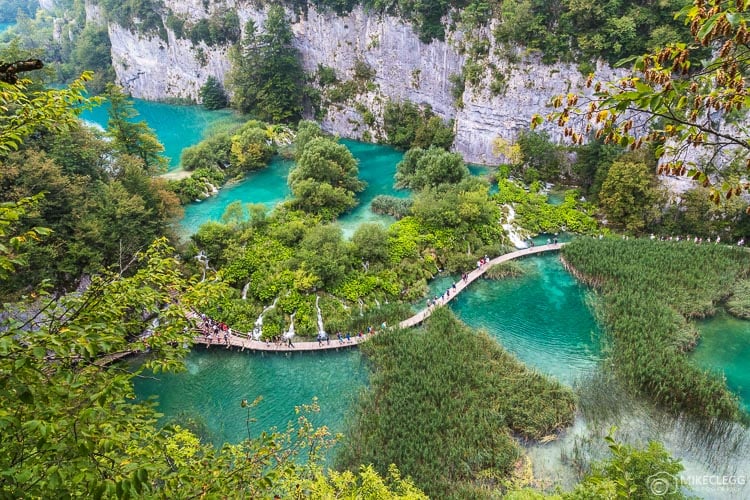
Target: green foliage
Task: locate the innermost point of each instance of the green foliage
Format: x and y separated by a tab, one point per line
535	214
649	290
510	269
30	110
198	186
430	168
464	396
133	138
407	126
391	205
632	472
696	214
221	28
739	303
672	90
212	94
91	50
325	179
251	147
139	15
266	76
326	75
630	197
362	70
212	152
574	30
593	160
9	9
540	156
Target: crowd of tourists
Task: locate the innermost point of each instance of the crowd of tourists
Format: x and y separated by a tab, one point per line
214	331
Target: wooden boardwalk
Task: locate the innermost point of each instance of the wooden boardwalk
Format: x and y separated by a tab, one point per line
473	275
245	342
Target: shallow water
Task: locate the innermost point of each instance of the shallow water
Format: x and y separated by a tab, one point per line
177	127
216	381
267	186
377	165
541	317
724	347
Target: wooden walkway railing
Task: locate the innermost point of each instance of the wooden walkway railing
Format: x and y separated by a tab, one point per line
473	275
243	341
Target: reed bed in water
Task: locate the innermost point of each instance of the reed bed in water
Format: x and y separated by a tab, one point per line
444	404
650	289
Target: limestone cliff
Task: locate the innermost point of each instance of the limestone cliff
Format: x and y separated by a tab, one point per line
405	68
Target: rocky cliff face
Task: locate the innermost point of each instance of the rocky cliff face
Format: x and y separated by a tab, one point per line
405	68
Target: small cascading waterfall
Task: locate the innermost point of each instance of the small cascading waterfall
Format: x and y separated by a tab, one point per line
290	333
361	306
377	302
244	290
258	328
511	229
321	331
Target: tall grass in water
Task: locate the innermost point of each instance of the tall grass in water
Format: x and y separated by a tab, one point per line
650	290
444	403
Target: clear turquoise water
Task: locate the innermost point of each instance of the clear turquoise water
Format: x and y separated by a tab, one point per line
217	380
377	165
724	347
5	26
563	345
267	186
177	127
541	317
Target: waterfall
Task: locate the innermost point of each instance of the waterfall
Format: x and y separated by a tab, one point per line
512	231
361	305
377	303
290	333
244	290
258	328
321	331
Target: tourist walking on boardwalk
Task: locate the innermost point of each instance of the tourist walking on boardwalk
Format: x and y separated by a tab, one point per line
289	342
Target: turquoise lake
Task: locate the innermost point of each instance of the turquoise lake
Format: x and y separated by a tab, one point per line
724	348
377	165
565	345
177	127
542	317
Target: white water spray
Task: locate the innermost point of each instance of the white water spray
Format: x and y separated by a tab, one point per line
512	230
244	290
290	333
258	328
321	331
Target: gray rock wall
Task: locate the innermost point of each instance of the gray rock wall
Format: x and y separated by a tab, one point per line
406	68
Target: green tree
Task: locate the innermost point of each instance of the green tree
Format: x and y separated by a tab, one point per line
212	94
325	179
648	473
630	198
27	110
251	148
133	138
686	109
370	244
540	155
266	76
430	168
306	131
325	252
